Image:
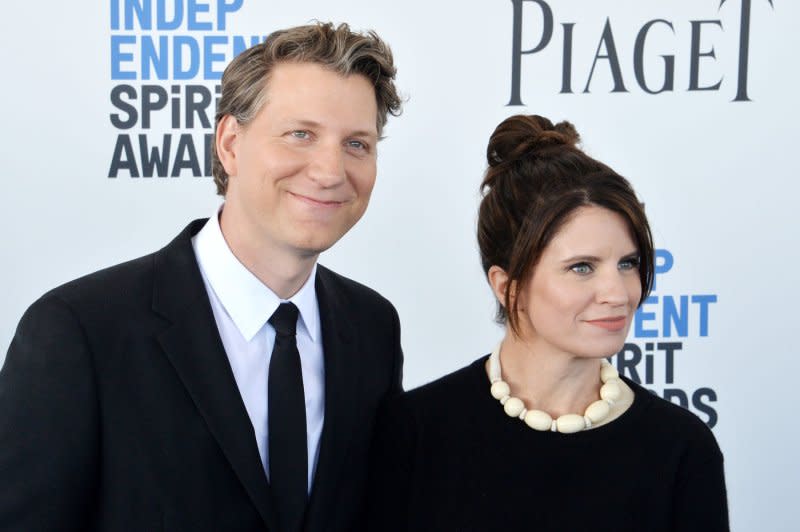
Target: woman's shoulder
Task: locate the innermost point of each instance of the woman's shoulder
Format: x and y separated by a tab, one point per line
444	393
665	421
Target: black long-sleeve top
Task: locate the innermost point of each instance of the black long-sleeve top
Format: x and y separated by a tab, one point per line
447	458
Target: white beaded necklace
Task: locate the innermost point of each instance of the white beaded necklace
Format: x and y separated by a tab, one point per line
596	412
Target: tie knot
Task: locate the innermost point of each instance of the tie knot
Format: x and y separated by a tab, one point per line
285	319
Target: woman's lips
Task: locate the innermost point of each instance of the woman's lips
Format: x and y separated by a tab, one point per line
610	324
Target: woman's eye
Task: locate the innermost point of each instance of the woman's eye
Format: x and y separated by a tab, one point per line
582	268
629	264
300	134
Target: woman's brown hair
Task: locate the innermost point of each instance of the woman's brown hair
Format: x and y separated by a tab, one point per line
537	178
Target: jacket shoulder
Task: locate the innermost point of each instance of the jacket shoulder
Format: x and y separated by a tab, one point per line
350	289
128	281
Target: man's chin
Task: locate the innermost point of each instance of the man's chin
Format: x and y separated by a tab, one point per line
311	248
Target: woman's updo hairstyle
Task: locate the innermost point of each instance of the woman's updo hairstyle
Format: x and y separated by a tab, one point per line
537	177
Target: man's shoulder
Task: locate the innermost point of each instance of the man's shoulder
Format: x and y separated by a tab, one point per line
126	283
350	290
109	282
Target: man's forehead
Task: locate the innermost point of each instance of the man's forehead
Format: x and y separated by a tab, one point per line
307	92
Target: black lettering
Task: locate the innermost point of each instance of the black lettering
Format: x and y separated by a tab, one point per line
200	108
566	71
669	349
696	54
638	60
675	393
175	108
648	368
116	100
124	148
185	157
607	39
744	52
704	407
625	364
149	104
209	138
154	158
516	43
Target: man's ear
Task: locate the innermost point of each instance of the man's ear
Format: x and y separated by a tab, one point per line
228	131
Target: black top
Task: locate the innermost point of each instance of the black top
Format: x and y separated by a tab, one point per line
447	457
119	410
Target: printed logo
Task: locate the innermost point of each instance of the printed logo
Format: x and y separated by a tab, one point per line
664	328
535	21
167	57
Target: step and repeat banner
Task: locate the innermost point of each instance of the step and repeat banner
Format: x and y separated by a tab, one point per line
106	155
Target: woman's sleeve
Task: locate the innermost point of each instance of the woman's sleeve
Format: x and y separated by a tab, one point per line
701	501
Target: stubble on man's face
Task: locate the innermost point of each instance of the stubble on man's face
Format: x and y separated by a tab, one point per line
306	165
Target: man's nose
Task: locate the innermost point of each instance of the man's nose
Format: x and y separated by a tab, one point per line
326	167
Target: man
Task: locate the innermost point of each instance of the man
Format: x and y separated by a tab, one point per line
226	382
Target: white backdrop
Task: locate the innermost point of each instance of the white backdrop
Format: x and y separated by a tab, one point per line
718	177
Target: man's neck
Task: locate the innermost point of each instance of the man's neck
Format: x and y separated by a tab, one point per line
281	270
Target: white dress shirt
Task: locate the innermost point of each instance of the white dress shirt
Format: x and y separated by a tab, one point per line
242	305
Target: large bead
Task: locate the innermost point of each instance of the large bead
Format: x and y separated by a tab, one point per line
538	420
598	411
500	389
611	390
569	423
608	372
514	407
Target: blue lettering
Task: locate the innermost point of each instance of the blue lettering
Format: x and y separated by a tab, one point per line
161	21
223	8
143	11
177	57
114	14
118	56
240	45
210	56
192	9
664	266
642	316
704	301
673	317
155	56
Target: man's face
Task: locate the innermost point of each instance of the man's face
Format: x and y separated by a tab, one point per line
301	173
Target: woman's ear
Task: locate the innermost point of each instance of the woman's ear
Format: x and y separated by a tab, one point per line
498	280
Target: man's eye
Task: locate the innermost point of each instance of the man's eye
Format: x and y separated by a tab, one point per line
582	268
357	144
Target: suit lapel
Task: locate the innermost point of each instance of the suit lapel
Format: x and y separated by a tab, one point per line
194	348
341	393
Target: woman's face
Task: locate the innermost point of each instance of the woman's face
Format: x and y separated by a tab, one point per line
585	289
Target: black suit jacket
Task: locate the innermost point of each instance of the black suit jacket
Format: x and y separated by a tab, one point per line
119	409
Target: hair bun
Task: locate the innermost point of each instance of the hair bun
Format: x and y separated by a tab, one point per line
525	137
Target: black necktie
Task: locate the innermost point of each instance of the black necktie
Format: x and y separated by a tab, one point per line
288	456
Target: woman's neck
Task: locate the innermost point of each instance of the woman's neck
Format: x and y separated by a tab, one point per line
549	380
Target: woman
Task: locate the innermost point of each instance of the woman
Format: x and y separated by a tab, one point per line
543	434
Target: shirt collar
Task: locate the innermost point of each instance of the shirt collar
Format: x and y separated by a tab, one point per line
249	302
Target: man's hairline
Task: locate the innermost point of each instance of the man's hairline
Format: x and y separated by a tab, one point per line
262	98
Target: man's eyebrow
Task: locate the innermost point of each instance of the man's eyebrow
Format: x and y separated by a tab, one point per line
356	133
